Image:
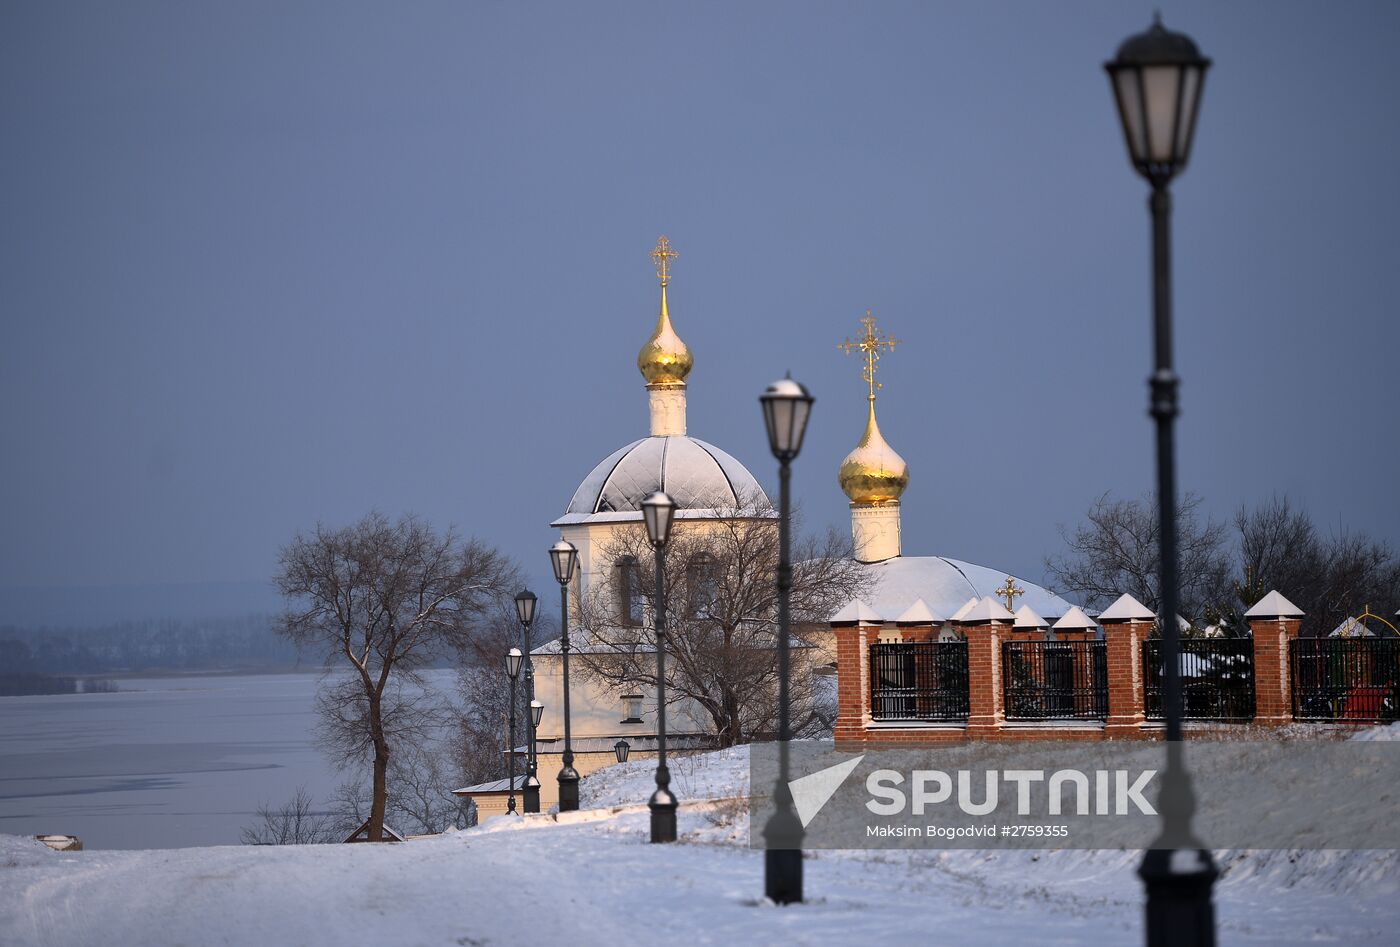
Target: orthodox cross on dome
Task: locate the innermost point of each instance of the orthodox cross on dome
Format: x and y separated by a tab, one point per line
1010	591
662	255
870	344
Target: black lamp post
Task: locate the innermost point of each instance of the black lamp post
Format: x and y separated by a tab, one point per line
1157	79
564	557
525	611
621	749
786	407
513	657
659	510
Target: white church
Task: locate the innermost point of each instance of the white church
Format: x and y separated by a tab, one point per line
705	482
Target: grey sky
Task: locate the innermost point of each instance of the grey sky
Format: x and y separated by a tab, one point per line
265	264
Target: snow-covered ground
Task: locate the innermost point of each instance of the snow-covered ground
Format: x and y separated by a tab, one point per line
593	879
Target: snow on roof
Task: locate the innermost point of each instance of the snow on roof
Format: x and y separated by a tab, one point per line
697	475
918	614
1073	620
1274	605
1126	608
989	609
495	785
966	607
945	585
1353	627
390	834
1026	618
857	612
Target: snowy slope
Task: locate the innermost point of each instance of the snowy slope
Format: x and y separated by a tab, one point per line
593	879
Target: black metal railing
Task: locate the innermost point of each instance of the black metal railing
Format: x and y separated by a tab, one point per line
1055	680
1217	678
919	681
1346	679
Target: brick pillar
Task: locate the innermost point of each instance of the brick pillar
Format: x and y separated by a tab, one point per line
850	687
1123	641
853	681
986	711
1075	634
1273	685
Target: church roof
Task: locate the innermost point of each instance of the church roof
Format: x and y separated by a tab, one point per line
944	585
697	475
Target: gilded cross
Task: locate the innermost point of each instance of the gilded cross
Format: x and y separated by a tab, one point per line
1011	592
662	256
870	344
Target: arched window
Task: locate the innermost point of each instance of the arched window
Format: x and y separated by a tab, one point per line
628	580
702	577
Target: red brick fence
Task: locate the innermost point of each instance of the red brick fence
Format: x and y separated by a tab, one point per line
902	687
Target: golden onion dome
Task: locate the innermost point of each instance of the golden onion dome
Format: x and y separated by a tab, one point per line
664	359
873	474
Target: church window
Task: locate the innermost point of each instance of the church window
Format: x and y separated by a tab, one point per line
632	708
629	591
702	576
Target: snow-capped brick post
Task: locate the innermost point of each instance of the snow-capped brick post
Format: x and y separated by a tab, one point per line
1127	623
1029	626
856	627
986	625
917	623
1273	622
1074	625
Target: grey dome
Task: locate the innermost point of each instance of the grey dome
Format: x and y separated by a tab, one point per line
945	585
697	475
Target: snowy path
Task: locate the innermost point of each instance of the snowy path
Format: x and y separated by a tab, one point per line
600	883
596	880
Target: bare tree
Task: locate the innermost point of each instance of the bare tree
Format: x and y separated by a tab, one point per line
1328	577
349	806
421	797
382	600
1116	550
478	742
721	581
297	822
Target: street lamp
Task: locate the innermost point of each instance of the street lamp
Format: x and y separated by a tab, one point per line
513	657
659	510
621	748
1157	79
564	557
786	408
525	611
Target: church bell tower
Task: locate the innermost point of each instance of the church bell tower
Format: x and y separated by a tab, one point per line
665	360
873	476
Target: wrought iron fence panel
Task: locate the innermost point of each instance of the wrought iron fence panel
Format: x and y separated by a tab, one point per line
919	681
1217	678
1055	680
1345	679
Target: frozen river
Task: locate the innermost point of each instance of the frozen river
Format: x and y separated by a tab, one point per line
165	763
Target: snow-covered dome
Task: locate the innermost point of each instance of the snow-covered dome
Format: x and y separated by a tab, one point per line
944	585
697	475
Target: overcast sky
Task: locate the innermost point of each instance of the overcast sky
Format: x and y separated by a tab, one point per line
264	264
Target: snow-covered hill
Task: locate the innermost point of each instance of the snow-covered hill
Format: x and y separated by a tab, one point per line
592	878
